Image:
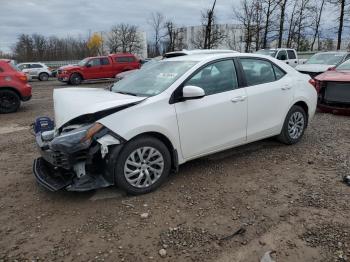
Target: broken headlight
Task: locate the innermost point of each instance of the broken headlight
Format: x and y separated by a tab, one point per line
76	140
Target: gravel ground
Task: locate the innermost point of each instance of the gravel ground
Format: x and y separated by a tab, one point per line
289	199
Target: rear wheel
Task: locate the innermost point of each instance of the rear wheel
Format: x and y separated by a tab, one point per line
44	77
75	79
9	101
294	126
142	166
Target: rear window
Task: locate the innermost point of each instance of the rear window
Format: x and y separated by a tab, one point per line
291	54
125	59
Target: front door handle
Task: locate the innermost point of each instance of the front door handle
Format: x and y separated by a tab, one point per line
238	99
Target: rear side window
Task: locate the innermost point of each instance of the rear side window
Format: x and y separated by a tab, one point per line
291	54
104	61
124	59
36	66
258	71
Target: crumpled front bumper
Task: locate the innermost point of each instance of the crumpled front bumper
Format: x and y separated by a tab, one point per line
50	177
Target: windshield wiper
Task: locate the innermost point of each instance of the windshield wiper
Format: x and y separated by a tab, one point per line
126	93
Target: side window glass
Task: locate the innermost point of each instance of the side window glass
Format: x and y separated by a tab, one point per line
94	62
104	61
282	55
257	71
278	72
36	66
122	59
216	78
291	54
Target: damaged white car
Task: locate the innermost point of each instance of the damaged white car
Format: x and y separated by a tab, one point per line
176	110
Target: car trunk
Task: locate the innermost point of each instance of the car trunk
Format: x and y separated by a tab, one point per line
335	94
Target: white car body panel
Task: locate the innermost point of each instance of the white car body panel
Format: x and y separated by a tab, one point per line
313	68
35	72
196	127
70	103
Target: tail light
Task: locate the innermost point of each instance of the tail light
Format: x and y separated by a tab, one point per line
313	82
316	84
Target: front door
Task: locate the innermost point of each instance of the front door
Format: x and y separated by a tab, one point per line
218	120
92	69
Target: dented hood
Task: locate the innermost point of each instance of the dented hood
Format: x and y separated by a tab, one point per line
70	103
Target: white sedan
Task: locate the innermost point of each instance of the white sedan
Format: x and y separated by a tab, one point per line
174	111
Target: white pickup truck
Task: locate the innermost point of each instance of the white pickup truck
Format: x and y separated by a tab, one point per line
289	56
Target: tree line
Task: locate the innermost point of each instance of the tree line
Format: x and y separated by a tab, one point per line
291	23
295	24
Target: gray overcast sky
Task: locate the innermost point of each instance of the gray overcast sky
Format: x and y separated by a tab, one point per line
77	17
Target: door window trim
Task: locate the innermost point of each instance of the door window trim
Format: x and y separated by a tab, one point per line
176	96
263	59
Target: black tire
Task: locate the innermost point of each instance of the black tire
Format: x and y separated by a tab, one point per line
75	79
9	101
286	137
118	161
44	77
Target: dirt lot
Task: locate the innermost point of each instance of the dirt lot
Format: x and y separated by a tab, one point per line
288	199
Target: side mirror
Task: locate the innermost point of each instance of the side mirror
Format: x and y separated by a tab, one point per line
331	68
192	92
88	65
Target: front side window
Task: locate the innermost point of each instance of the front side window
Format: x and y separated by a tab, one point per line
154	79
259	71
94	62
216	78
282	55
25	66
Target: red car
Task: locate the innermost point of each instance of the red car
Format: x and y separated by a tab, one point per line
101	67
333	89
14	87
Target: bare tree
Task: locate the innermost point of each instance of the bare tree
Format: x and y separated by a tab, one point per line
245	16
318	11
210	35
156	22
124	38
269	7
283	6
342	6
174	37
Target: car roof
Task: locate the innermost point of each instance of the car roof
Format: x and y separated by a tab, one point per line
197	52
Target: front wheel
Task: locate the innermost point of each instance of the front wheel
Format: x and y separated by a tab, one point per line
294	126
9	101
142	166
75	79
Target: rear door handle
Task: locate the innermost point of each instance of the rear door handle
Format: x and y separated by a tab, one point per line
238	99
287	87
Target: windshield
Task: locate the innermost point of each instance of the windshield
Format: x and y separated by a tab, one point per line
83	62
153	79
326	58
344	66
267	52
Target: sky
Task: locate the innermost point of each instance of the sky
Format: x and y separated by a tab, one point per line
78	17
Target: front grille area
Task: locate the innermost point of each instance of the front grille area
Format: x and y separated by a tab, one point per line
337	92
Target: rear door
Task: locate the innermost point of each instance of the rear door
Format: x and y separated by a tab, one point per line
35	69
292	58
106	69
270	93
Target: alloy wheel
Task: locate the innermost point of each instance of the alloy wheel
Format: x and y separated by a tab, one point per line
296	125
143	167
